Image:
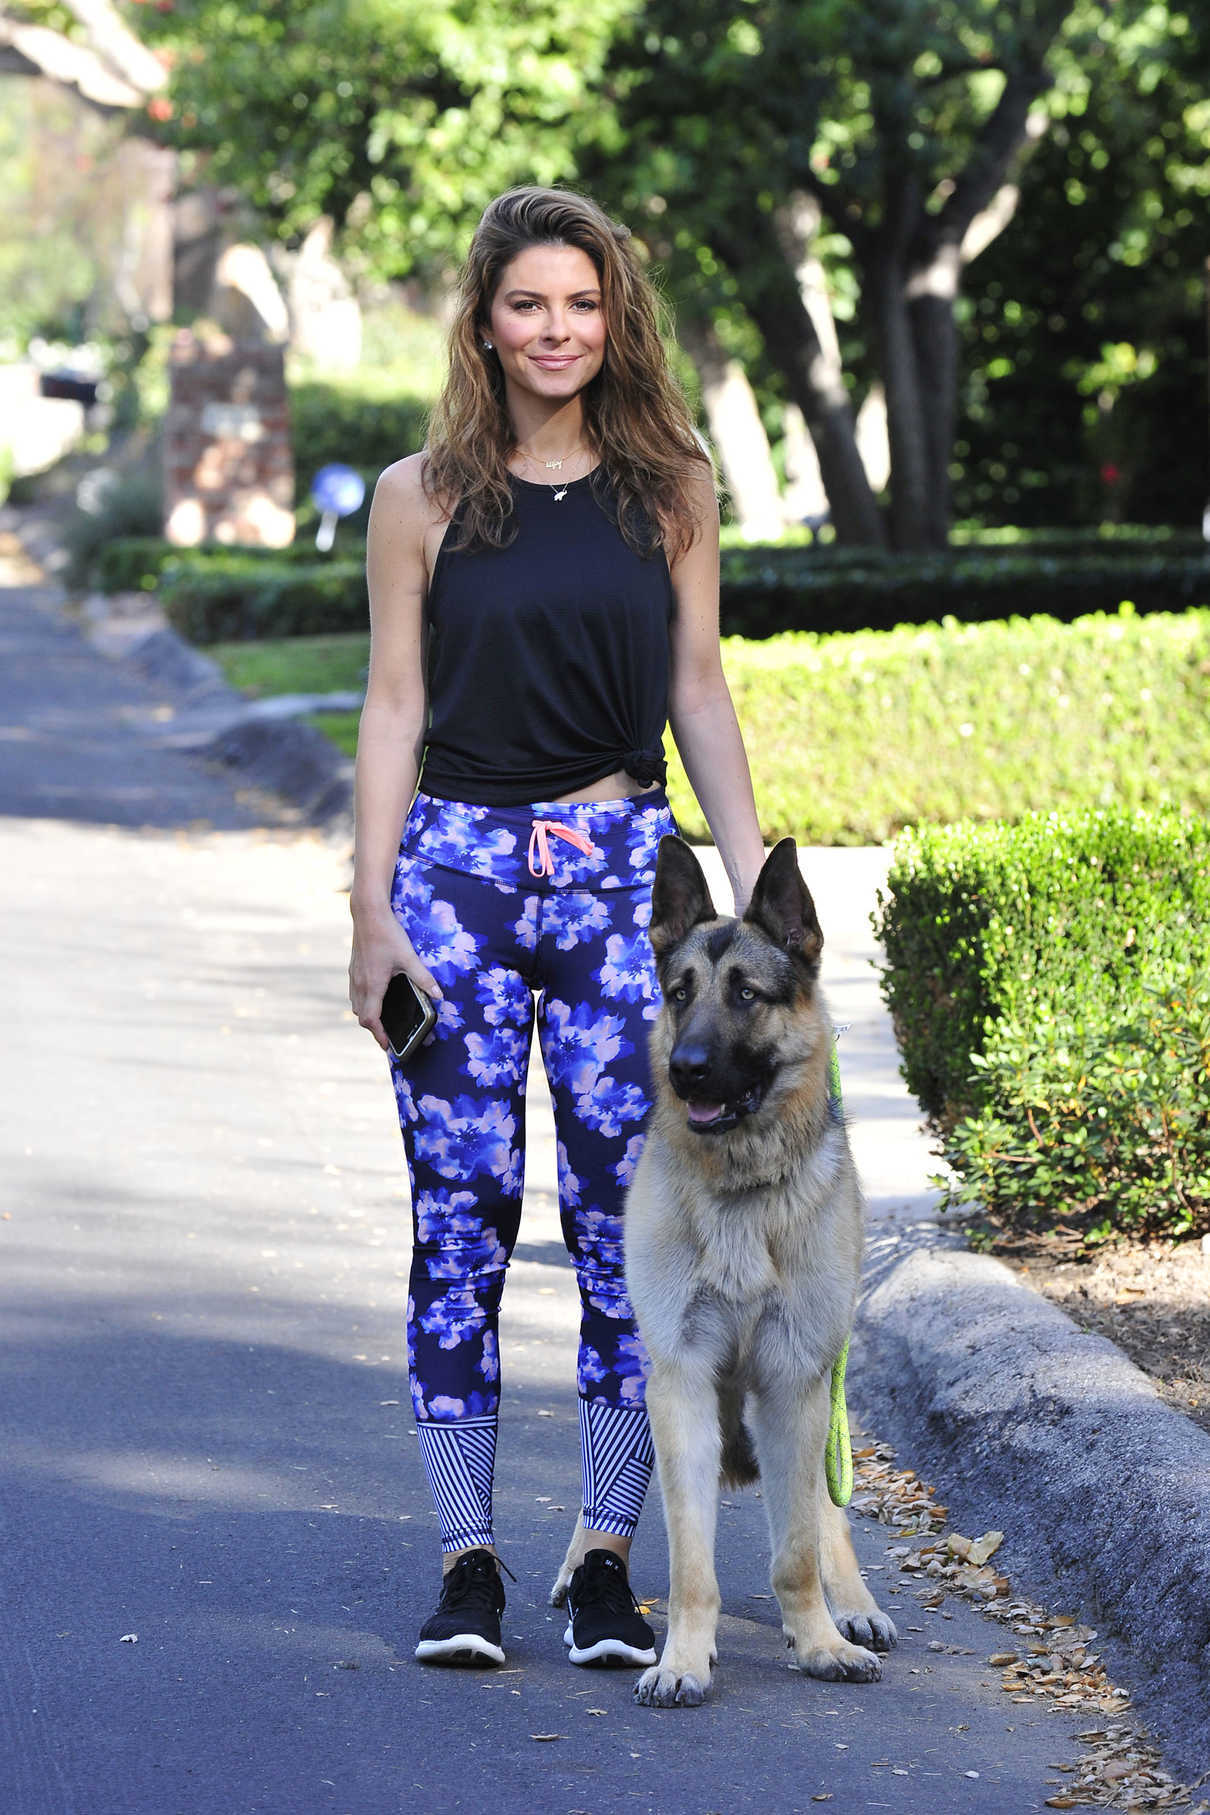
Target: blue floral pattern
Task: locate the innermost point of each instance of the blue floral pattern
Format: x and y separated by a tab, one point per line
495	937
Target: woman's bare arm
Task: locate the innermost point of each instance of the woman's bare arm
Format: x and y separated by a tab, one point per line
701	714
390	738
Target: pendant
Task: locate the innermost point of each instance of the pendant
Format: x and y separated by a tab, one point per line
560	494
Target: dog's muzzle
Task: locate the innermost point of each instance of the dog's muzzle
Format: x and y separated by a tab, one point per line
717	1118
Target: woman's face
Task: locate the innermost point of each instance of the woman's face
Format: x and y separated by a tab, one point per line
546	322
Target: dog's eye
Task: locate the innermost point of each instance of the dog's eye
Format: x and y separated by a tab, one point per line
680	993
747	993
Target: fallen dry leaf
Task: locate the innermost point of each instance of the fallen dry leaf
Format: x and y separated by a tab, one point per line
986	1546
1120	1766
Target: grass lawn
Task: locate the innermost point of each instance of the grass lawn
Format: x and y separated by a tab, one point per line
323	664
341	727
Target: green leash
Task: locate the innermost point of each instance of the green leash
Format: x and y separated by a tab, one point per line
838	1455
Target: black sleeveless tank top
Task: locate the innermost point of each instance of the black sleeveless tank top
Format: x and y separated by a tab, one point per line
548	660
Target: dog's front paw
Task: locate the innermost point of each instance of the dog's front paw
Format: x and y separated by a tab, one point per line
661	1687
558	1594
841	1663
876	1631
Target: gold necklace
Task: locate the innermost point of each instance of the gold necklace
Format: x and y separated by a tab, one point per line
558	491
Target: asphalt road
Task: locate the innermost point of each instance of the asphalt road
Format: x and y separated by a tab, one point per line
217	1543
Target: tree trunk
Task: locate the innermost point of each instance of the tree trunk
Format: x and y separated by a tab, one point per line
932	294
737	432
804	499
769	289
887	302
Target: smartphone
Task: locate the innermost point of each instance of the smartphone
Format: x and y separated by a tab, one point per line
407	1016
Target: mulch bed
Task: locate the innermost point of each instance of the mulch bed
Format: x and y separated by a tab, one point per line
1150	1298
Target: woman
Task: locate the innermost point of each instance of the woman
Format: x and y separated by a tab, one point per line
543	598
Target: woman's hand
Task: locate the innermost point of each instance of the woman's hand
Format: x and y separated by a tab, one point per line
380	949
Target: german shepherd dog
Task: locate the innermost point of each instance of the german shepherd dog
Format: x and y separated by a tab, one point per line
743	1249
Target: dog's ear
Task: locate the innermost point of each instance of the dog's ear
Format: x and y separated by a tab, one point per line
680	896
782	907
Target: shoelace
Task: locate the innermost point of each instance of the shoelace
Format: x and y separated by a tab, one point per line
474	1582
607	1587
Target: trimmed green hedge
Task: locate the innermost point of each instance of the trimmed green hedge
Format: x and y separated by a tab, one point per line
345	423
763	591
231	597
853	737
1050	987
767	590
140	563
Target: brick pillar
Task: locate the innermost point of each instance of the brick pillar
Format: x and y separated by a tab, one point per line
228	463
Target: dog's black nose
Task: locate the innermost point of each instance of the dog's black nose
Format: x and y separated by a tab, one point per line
688	1066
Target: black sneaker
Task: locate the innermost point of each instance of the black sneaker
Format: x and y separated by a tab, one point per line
466	1626
604	1624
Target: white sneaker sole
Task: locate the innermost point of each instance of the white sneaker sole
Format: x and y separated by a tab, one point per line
460	1648
606	1651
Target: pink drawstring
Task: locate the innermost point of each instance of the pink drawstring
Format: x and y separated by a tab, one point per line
545	829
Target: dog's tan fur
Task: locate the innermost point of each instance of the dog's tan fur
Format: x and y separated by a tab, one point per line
743	1250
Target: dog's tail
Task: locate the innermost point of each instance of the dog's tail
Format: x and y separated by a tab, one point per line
738	1467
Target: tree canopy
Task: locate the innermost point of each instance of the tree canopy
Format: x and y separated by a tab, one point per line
846	191
882	143
398	119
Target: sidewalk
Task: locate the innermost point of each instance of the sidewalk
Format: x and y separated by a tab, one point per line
202	1435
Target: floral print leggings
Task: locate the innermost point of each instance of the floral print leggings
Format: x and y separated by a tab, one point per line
523	913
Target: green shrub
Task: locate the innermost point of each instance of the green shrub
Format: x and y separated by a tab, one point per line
853	737
236	596
353	422
137	563
111	504
130	563
989	925
1101	1119
1051	994
1094	538
765	590
769	589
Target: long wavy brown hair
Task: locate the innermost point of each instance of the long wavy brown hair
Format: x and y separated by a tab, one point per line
635	416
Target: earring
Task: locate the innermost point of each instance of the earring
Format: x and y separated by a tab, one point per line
487	346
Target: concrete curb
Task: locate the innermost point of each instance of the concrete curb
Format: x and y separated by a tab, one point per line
1049	1434
263	739
294	761
271	750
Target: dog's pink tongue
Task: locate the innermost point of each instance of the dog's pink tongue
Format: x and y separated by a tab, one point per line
704	1113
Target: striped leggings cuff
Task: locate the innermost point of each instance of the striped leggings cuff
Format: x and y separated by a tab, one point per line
618	1456
459	1460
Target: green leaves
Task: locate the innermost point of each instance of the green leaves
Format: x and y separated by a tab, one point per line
851	737
1069	1074
397	120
